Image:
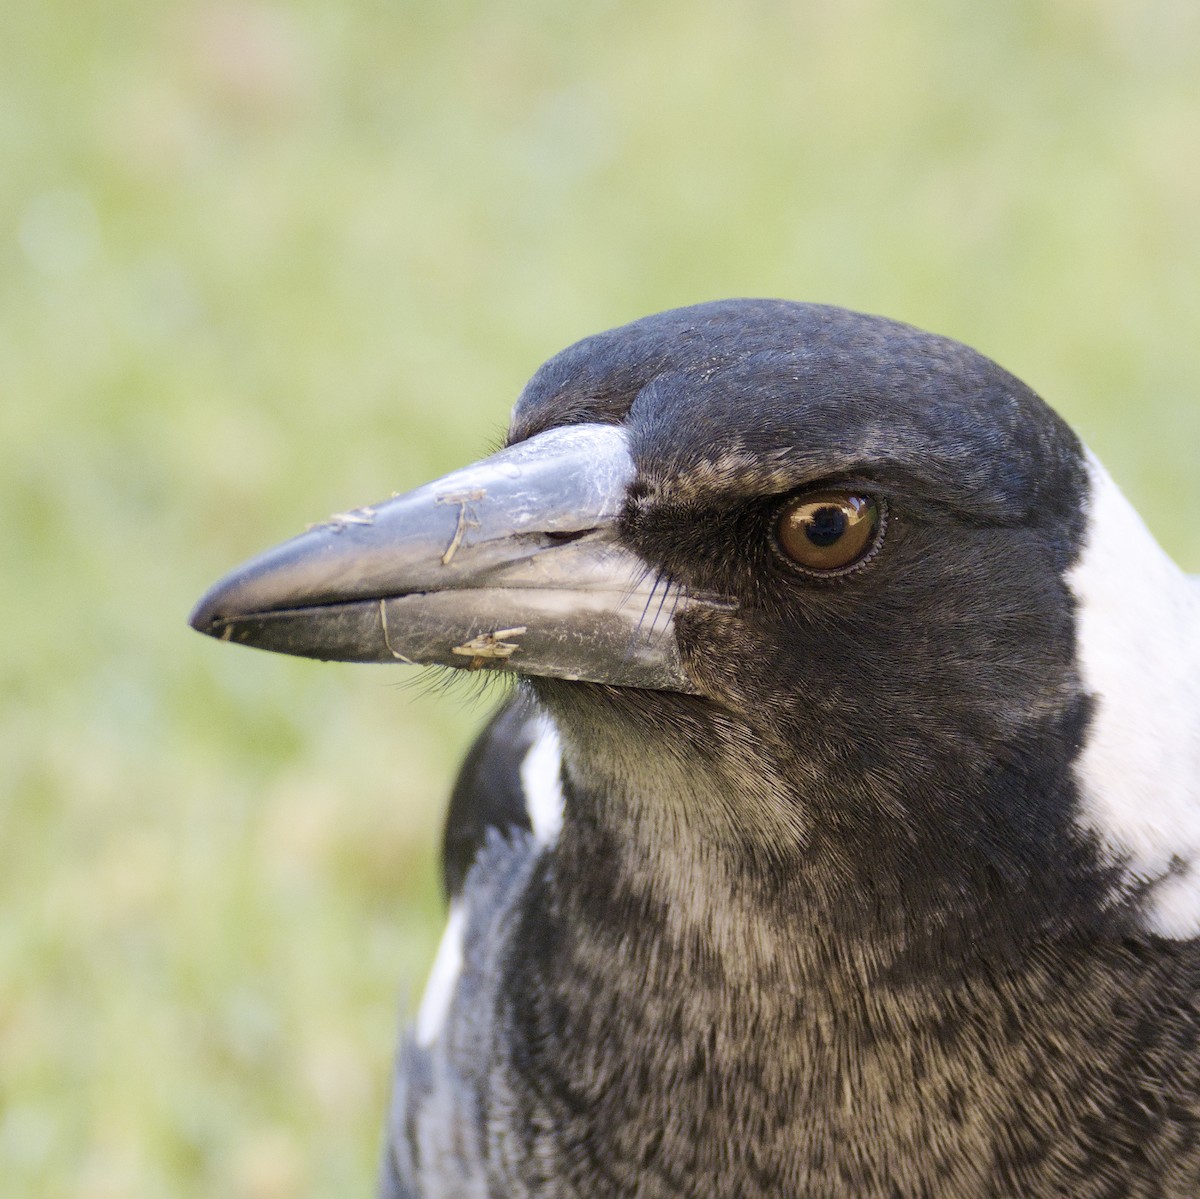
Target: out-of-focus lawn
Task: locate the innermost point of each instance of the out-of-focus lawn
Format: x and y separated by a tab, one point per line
259	263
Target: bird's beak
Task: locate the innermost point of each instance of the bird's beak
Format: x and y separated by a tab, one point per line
512	563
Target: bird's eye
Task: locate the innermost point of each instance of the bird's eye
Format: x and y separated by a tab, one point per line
828	532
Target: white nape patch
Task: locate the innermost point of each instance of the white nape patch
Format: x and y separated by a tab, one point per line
443	978
1139	656
541	781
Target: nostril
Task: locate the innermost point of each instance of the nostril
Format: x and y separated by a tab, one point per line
563	536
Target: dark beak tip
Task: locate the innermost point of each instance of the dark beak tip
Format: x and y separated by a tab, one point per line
293	573
205	616
229	599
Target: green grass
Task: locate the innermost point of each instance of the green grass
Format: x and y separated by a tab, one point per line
258	264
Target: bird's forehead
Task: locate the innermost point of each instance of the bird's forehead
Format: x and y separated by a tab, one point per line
600	377
754	396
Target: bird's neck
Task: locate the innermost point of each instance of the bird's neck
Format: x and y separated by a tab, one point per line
670	833
692	840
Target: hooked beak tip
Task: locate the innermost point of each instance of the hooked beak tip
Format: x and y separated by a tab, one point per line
204	617
222	606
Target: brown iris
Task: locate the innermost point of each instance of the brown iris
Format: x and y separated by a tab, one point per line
829	531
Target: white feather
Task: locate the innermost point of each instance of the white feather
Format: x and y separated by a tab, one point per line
443	978
1139	654
541	781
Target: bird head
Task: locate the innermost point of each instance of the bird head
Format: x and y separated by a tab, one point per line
842	595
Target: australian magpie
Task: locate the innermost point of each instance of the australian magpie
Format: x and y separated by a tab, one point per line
843	838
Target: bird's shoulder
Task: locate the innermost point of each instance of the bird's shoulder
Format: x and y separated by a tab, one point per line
504	811
508	781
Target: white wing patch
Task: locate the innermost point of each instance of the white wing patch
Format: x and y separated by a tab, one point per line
443	978
1139	655
541	781
542	786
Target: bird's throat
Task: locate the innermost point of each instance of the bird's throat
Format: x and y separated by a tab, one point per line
689	835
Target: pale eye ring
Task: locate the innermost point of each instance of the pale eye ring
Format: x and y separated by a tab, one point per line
830	532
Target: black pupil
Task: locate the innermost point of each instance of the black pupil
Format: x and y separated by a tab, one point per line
826	526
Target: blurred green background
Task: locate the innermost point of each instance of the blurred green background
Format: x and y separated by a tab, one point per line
259	263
